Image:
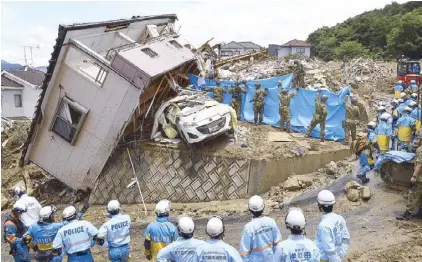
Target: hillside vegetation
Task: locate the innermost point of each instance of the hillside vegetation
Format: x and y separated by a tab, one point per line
384	33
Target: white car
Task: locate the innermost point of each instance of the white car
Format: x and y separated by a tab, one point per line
200	118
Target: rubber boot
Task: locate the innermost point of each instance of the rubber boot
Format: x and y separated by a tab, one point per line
364	179
406	216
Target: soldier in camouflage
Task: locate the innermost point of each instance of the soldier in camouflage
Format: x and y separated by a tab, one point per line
285	98
258	107
218	91
320	115
352	119
415	188
237	92
299	75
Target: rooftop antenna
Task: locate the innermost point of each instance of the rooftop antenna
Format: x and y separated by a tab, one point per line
29	61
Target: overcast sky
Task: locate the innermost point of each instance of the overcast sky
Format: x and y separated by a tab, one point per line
36	23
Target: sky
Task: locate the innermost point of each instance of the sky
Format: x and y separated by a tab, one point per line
36	23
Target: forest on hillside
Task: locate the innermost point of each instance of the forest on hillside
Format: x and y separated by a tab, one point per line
386	33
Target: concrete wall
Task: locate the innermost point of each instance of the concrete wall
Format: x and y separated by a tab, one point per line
110	105
285	51
186	176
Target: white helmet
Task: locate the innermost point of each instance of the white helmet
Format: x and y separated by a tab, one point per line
400	100
69	213
412	81
326	198
19	207
381	103
47	212
215	227
385	116
256	204
402	94
113	207
400	82
162	208
414	95
295	219
372	125
394	102
407	109
186	225
381	108
19	190
413	104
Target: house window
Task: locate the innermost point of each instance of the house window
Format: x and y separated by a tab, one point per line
300	50
68	120
94	71
175	44
18	100
149	52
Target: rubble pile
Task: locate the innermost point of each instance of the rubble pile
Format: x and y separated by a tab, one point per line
355	191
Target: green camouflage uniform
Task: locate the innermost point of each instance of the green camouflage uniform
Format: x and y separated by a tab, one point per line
319	117
285	110
352	119
218	93
258	107
299	76
236	103
414	199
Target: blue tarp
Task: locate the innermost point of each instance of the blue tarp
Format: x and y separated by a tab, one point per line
302	105
398	156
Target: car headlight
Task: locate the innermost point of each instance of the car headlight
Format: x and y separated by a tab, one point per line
187	124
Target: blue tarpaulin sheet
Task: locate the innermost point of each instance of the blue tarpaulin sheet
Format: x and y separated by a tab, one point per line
398	156
301	109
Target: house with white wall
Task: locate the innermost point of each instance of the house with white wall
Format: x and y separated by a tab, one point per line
294	47
238	48
101	84
20	90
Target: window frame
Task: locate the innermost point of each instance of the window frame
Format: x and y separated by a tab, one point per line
20	100
300	50
149	52
102	73
78	127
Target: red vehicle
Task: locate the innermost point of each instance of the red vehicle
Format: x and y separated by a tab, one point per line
409	70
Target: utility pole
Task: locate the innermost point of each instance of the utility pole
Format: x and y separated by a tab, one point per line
29	60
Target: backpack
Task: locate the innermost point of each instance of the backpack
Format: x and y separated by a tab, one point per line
359	144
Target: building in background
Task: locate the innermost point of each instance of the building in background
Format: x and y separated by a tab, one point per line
292	47
19	92
238	48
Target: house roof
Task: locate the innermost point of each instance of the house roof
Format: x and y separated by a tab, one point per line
247	45
31	76
8	82
296	42
63	29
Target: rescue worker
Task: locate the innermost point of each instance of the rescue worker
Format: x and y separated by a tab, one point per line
332	236
14	230
299	75
42	234
404	96
395	112
284	109
161	232
217	91
366	160
33	207
414	200
413	97
398	88
406	126
215	246
116	232
416	114
320	115
381	110
352	119
413	87
184	248
236	103
75	237
384	134
260	236
258	107
401	106
297	247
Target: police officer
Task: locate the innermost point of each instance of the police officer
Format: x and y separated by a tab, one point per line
237	92
75	237
413	88
261	235
184	248
401	106
258	107
14	230
297	247
332	236
394	112
398	88
285	108
384	134
352	119
116	232
42	234
381	110
366	160
214	249
406	126
320	115
414	200
31	216
161	232
416	114
413	97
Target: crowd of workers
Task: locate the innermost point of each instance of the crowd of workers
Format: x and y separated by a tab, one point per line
30	226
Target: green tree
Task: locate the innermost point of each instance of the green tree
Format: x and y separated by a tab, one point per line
349	50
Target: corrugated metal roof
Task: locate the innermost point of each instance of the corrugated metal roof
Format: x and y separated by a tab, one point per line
7	82
296	42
